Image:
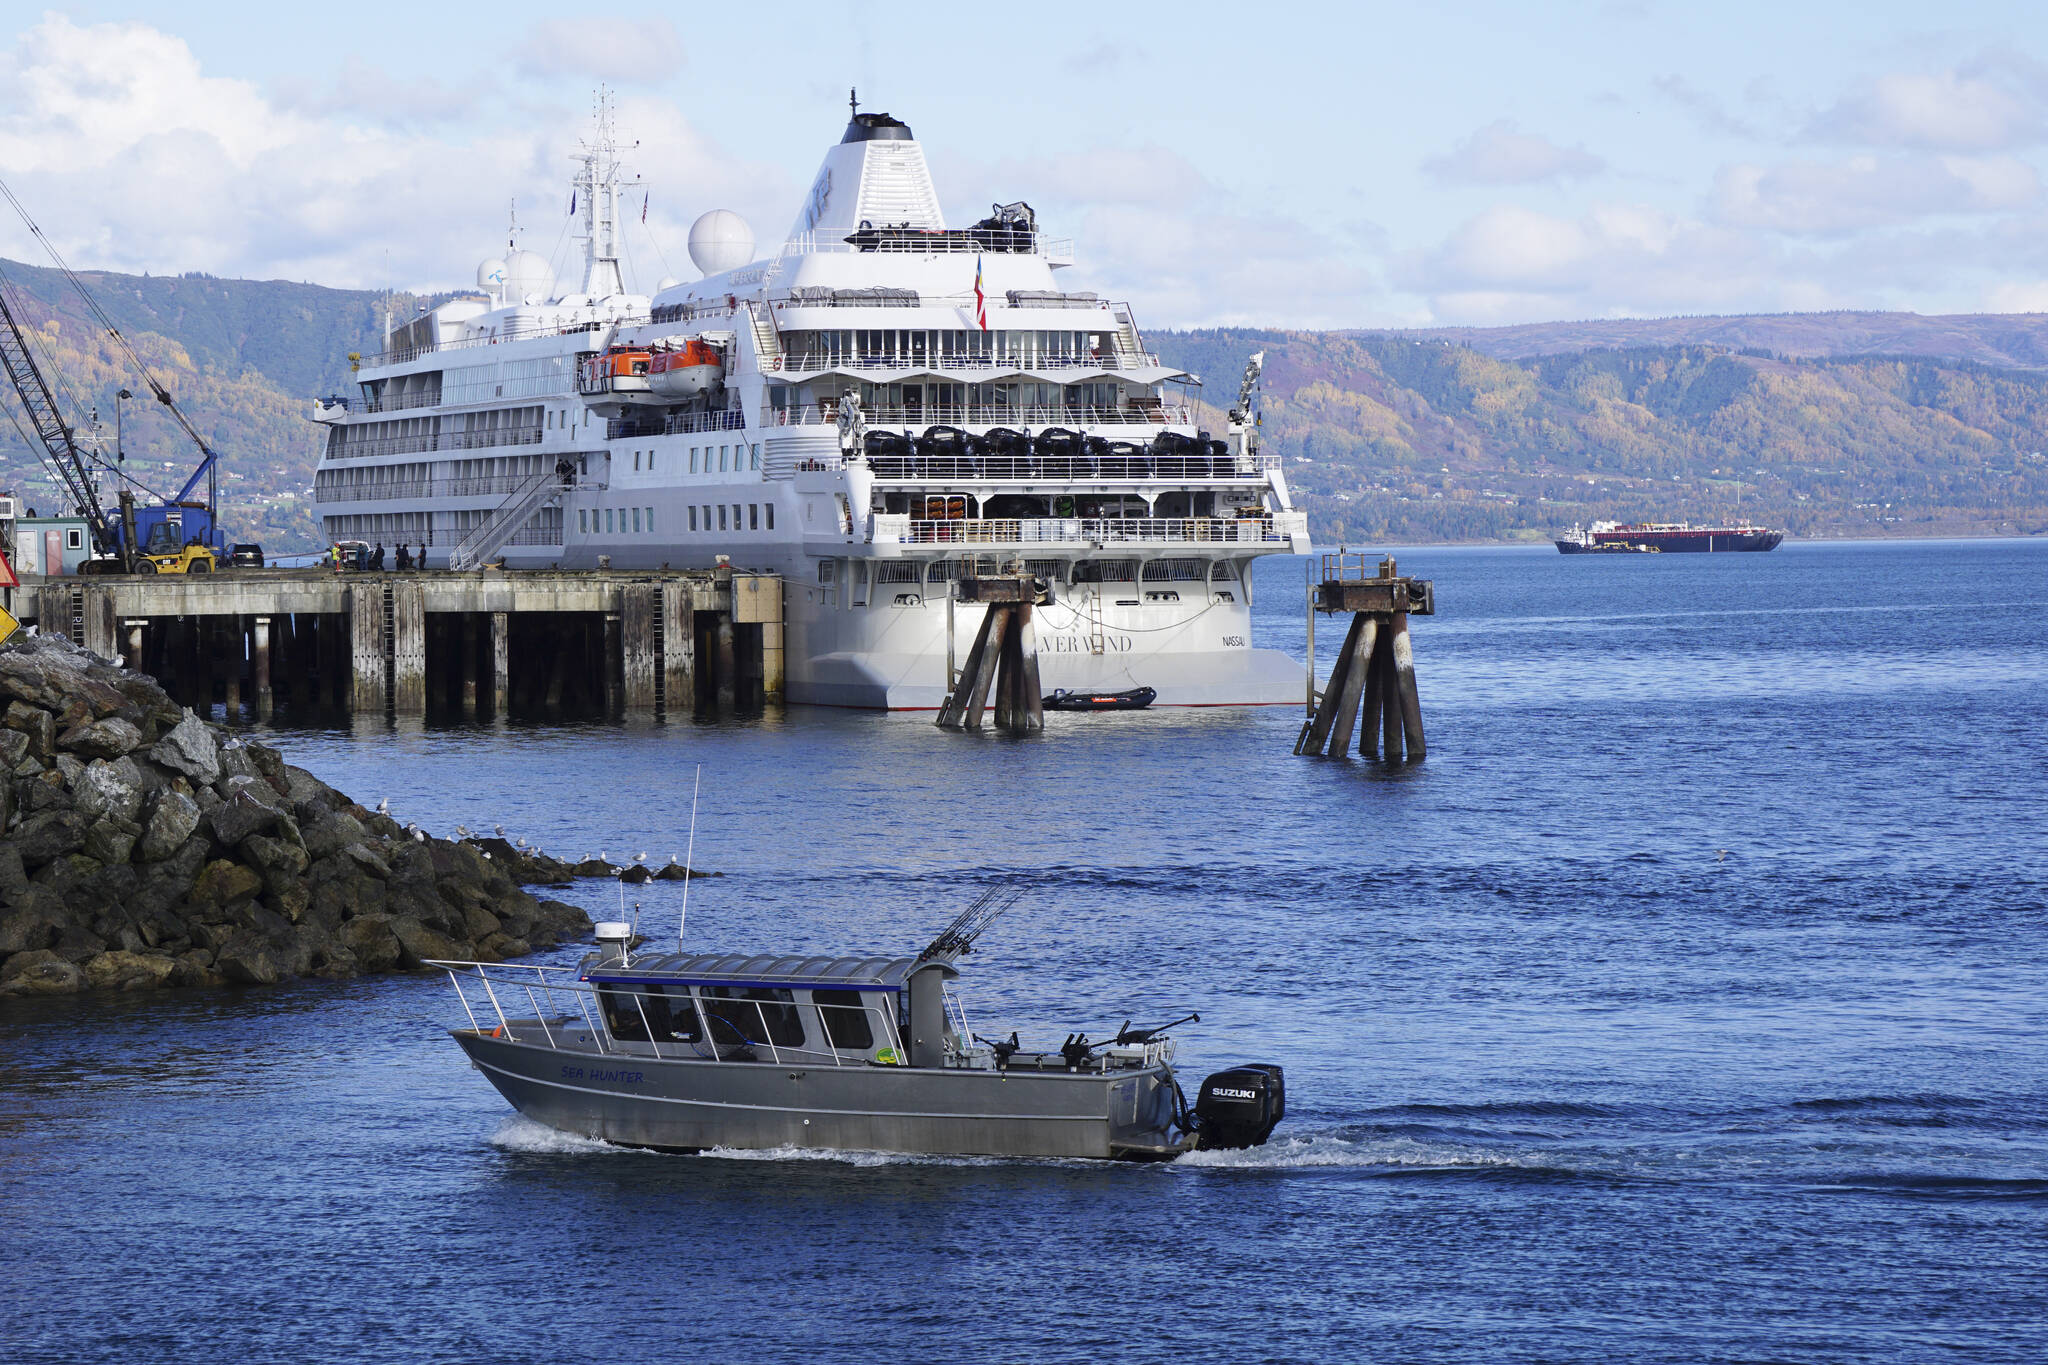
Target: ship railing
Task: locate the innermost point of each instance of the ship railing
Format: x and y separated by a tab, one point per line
1064	468
421	443
480	486
943	364
902	530
398	355
1037	418
937	244
484	987
729	419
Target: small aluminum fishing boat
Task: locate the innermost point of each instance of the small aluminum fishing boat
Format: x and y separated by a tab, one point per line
693	1051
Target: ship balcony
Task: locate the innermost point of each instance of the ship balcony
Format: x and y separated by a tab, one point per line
1282	531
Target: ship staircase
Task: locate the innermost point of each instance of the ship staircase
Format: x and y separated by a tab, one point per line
1130	351
495	531
767	341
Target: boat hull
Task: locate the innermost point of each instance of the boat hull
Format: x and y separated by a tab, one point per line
1680	542
695	1105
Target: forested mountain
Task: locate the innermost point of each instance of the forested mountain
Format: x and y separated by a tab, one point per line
2004	340
244	359
1386	437
1398	438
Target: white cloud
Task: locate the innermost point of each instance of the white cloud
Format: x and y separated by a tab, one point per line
1864	192
2017	296
1499	154
132	158
1954	111
643	51
1151	230
1513	264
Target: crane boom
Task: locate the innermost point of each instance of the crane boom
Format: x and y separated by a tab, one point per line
60	448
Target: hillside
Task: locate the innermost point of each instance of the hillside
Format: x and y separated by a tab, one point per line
2001	340
1811	423
1391	438
242	357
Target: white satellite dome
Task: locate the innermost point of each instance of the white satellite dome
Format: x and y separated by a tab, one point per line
527	274
668	282
721	241
490	277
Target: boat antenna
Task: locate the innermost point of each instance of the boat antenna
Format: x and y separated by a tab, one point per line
689	857
958	937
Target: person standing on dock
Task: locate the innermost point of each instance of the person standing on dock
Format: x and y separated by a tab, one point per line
377	556
421	558
404	556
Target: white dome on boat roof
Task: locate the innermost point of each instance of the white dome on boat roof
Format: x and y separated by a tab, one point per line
490	277
527	273
667	282
721	241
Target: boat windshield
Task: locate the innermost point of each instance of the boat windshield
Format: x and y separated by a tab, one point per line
739	1013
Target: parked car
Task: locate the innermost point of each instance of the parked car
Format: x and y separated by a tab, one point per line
246	556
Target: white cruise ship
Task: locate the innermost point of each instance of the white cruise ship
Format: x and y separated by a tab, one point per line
875	407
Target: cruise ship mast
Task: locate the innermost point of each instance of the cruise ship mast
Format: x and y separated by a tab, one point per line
597	193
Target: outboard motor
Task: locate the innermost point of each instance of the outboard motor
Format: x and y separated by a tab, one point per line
1240	1107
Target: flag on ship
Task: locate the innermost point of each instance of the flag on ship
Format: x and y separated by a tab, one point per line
643	204
572	203
980	299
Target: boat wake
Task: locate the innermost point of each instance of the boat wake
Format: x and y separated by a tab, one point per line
528	1138
1387	1153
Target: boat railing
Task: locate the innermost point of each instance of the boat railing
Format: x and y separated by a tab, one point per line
482	987
1140	467
1057	249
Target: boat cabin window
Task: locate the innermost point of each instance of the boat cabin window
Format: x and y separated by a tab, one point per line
670	1017
846	1023
738	1012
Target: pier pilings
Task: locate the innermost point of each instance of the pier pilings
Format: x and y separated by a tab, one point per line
1372	680
658	644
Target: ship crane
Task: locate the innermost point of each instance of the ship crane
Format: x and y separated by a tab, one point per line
144	540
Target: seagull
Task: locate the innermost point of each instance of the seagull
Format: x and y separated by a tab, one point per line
419	836
487	856
640	857
1721	853
462	830
384	806
231	744
601	858
671	860
501	830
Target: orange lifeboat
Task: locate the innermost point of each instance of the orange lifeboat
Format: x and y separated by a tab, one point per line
686	369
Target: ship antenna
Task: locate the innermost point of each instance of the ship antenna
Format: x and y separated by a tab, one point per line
853	98
689	857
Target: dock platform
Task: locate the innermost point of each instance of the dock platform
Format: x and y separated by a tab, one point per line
545	642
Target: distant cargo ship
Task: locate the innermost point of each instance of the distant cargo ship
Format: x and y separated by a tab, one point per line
1608	537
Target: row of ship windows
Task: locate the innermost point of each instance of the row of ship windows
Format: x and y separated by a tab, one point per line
730	456
612	521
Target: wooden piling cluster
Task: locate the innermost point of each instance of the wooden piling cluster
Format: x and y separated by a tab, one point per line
413	644
1373	678
1003	659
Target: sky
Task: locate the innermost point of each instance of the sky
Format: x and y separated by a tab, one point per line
1293	165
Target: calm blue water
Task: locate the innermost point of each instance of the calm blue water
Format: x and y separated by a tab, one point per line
1687	1004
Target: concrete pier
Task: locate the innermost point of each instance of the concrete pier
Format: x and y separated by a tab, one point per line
415	643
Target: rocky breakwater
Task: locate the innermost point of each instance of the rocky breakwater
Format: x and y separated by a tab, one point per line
144	848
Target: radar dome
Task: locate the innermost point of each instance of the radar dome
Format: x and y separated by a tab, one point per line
490	277
721	241
668	282
527	274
